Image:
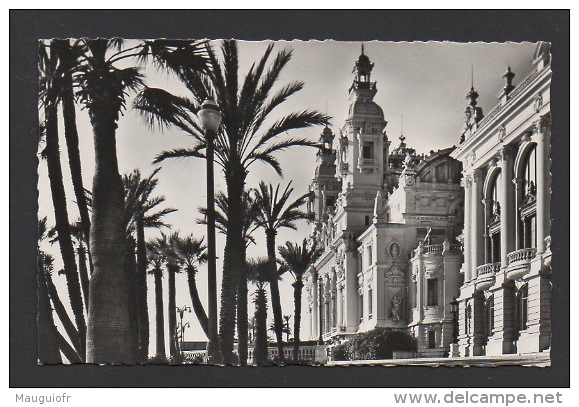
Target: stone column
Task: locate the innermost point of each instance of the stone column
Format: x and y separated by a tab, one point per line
467	184
351	291
477	220
507	204
339	304
315	310
488	205
543	138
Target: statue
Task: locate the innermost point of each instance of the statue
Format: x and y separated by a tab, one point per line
396	303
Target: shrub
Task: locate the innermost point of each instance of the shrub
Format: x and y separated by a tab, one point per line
376	344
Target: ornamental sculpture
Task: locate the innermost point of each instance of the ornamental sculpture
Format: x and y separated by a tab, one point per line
396	305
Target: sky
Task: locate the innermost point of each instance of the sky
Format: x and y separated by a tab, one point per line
425	82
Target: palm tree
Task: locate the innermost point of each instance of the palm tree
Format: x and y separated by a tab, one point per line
156	258
103	91
248	215
69	53
48	348
275	211
78	234
259	273
172	263
51	83
141	211
298	259
192	253
243	139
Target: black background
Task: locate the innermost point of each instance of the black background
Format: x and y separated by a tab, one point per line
26	27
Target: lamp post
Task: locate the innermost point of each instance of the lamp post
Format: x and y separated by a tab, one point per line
210	118
454	312
181	311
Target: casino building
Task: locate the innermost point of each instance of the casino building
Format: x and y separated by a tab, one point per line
404	234
505	298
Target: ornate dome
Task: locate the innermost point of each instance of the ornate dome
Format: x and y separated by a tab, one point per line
365	108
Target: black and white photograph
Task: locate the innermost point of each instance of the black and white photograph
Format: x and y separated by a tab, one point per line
294	202
301	198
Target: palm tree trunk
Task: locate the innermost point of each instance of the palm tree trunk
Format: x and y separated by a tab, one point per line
143	309
196	301
298	286
72	143
60	310
131	274
62	223
275	295
108	338
260	350
232	258
160	313
242	311
83	273
48	352
171	309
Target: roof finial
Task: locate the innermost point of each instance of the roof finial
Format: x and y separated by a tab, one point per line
472	76
362	48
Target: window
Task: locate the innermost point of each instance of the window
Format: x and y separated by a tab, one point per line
493	230
489	316
432	292
431	339
369	303
370	256
527	209
367	151
329	202
522	308
367	220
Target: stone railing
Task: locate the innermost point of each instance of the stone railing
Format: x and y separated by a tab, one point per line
488	269
519	262
432	248
521	255
455	247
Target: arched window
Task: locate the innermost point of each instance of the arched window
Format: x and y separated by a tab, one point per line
493	221
521	308
527	208
489	316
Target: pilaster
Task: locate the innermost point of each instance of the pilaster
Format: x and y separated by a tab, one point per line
543	138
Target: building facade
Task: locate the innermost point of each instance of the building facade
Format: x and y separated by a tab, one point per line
505	298
387	219
405	234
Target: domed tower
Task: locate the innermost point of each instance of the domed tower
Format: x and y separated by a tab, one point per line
324	187
360	159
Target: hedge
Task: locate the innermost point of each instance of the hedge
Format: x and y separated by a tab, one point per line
376	344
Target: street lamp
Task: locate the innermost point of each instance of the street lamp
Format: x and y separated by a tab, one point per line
180	327
454	312
210	118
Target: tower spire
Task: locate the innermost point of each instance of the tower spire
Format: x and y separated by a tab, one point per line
362	48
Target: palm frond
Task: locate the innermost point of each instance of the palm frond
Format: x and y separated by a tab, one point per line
180	153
